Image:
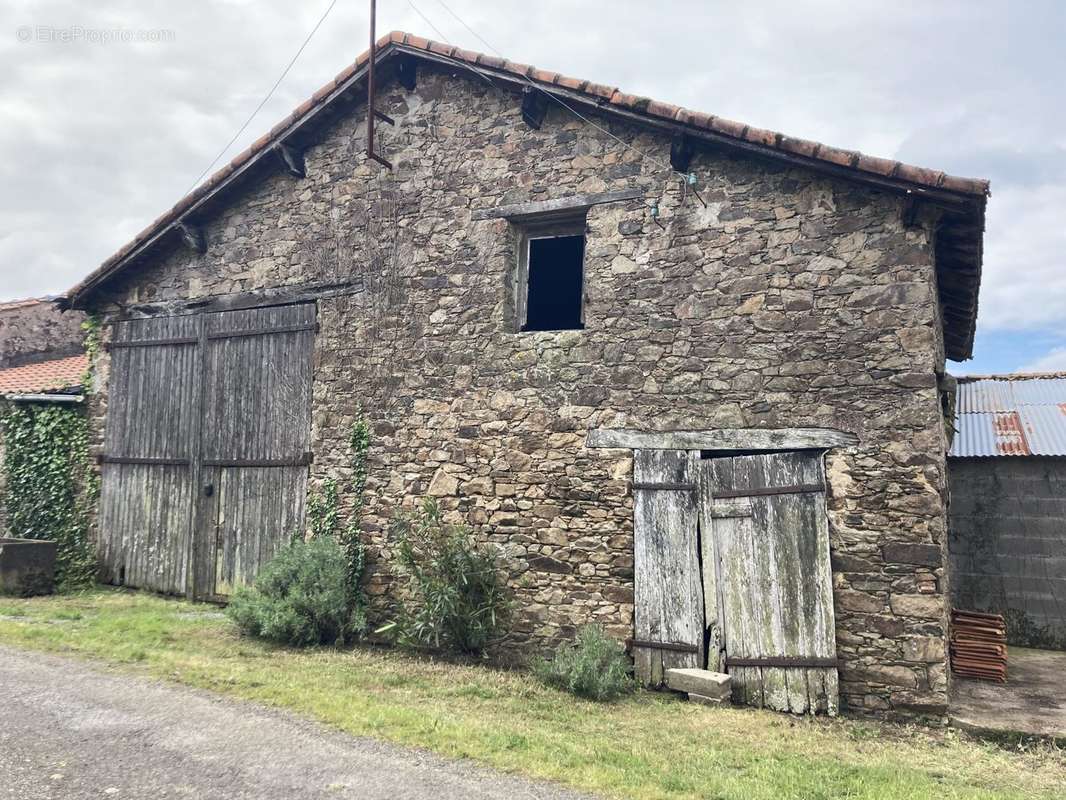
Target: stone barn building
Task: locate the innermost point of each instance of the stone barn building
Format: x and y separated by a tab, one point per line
684	373
1007	520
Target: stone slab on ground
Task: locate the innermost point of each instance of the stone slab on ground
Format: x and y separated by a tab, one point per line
69	731
1031	702
702	682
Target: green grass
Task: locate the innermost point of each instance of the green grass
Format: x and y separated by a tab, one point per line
647	746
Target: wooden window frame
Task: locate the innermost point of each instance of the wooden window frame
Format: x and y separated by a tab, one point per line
551	227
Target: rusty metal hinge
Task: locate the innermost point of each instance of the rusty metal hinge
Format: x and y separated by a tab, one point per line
782	661
678	647
666	487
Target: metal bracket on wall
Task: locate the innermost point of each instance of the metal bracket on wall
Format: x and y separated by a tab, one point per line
782	661
665	487
678	647
806	488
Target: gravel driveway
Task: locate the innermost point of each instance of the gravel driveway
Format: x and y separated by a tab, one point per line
69	730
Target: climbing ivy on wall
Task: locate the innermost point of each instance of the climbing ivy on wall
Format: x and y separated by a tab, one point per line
51	489
324	516
91	329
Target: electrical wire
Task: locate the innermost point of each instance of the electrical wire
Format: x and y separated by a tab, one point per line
444	39
269	94
558	100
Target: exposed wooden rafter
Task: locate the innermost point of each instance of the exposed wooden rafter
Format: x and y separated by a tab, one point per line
407	73
681	152
909	211
293	158
534	107
193	236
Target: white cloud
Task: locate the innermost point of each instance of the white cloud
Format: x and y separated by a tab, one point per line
1024	282
1054	361
100	139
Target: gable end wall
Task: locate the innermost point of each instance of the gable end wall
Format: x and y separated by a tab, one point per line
788	300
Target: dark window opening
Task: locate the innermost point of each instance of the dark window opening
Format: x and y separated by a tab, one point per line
554	291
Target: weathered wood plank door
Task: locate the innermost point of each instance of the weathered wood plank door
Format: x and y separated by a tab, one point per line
146	491
207	447
766	566
256	440
668	602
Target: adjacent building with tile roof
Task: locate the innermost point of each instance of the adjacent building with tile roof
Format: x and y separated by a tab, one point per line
56	375
617	338
41	358
36	330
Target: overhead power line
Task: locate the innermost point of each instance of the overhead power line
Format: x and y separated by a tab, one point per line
263	102
444	39
555	97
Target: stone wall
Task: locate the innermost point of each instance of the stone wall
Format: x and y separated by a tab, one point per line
1008	543
782	299
35	330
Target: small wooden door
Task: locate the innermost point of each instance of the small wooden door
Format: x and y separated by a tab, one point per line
668	602
207	447
768	579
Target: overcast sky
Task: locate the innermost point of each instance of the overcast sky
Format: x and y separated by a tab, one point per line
99	137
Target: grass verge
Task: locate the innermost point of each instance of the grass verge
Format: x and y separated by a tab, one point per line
647	746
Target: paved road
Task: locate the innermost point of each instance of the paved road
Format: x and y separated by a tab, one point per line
70	731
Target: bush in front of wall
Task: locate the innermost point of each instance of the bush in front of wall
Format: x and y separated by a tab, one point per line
594	667
299	598
459	600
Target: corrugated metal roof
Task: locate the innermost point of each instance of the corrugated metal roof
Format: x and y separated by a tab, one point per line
1011	415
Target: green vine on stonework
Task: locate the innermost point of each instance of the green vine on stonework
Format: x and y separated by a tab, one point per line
91	342
352	537
51	488
322	512
324	518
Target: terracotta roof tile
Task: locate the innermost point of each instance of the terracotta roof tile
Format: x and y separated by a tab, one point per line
599	90
45	376
801	147
518	69
761	136
11	305
571	83
844	158
660	109
880	166
729	127
465	55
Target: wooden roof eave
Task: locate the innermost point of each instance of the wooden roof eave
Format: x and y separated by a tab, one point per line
295	129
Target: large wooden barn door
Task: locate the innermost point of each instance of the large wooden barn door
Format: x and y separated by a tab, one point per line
207	447
256	441
668	602
146	492
766	570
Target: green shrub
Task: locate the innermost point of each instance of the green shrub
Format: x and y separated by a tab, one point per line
300	598
459	600
595	666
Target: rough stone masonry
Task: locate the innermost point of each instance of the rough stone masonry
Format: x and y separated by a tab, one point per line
783	298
